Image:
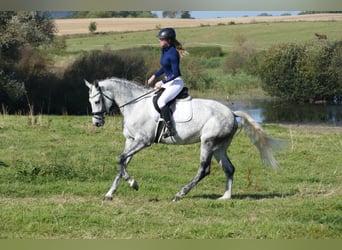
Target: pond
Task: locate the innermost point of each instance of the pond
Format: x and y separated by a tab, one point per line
275	112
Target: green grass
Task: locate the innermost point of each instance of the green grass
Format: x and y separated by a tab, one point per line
54	173
262	34
54	170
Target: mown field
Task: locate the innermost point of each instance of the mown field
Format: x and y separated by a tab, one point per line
80	26
262	32
263	35
54	171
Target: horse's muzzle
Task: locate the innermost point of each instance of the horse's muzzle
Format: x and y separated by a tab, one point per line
98	121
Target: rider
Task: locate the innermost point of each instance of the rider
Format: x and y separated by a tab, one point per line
173	83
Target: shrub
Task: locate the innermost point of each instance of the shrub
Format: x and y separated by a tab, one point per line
241	54
98	65
92	27
11	90
193	74
336	66
302	72
278	69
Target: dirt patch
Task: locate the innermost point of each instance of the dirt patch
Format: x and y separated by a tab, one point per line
80	26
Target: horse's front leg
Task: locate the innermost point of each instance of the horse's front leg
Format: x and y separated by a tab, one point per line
123	163
132	147
121	173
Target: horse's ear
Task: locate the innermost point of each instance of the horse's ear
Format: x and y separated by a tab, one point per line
96	83
88	84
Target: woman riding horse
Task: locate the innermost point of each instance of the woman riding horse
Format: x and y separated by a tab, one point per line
173	83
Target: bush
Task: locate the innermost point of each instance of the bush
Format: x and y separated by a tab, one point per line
11	90
240	56
193	74
98	65
336	66
302	72
92	27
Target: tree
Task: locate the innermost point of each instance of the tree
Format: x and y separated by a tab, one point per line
19	30
108	14
176	14
186	15
92	27
11	90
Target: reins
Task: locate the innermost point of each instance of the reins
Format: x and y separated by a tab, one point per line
111	99
134	100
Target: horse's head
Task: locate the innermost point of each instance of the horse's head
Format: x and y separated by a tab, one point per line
99	104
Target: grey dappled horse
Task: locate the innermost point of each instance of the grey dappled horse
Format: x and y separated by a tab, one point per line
213	125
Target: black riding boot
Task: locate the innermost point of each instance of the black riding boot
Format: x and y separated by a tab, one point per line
166	115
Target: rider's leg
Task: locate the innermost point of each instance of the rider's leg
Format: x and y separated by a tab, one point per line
166	115
172	89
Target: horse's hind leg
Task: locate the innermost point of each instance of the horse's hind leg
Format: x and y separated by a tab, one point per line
228	168
203	171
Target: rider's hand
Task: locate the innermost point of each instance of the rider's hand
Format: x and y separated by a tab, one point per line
150	81
158	85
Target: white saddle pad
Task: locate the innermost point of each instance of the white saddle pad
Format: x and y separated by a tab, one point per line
181	110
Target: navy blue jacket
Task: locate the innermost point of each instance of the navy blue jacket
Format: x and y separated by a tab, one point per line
169	64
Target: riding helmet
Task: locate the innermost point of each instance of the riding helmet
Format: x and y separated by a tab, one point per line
167	33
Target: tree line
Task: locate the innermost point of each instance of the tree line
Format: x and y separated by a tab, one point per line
124	14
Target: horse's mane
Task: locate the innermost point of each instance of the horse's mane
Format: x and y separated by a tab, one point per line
133	85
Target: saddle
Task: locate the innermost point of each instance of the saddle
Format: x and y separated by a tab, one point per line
183	116
182	95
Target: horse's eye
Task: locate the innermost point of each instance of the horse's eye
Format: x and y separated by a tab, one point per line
97	102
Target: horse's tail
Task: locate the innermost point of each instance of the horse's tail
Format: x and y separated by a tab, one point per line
260	139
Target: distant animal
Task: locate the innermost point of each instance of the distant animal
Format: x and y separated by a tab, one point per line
321	36
212	124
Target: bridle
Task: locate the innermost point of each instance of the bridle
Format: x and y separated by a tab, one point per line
99	115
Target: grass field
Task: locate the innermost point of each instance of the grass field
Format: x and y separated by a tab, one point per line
80	26
262	34
54	171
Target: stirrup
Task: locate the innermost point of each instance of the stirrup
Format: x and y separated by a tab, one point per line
169	131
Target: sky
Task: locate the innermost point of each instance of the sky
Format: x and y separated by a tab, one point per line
222	14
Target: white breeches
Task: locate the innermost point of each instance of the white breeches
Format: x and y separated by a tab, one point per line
172	89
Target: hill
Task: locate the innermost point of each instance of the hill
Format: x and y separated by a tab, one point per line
80	26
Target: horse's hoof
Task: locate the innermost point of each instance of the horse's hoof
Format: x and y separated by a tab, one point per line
226	196
134	185
176	198
107	198
222	198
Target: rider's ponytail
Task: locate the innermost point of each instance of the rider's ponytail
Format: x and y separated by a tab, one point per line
182	52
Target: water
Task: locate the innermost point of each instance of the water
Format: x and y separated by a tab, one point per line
273	112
